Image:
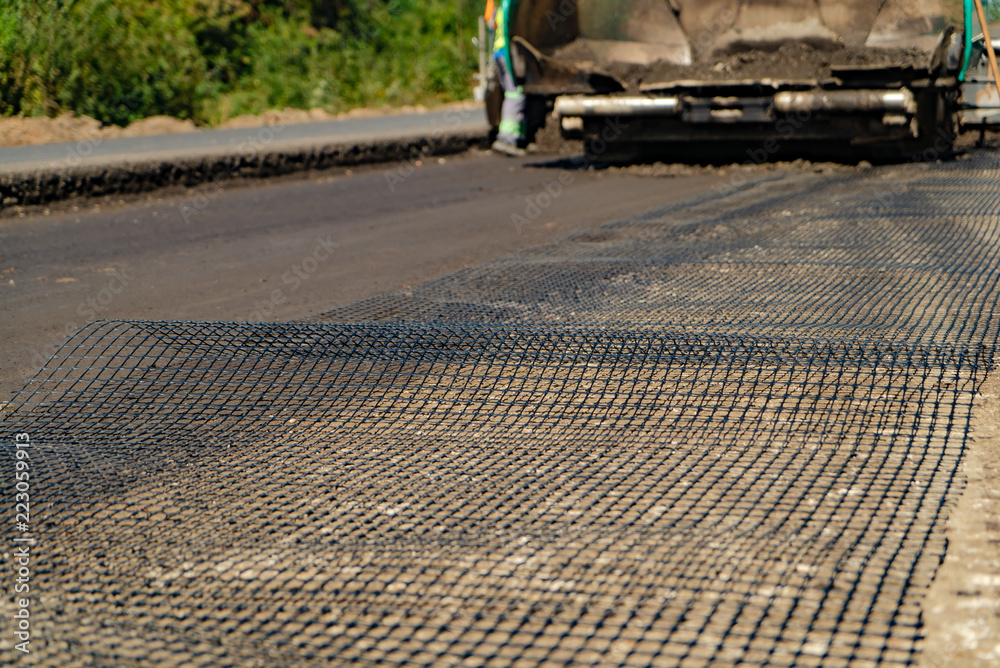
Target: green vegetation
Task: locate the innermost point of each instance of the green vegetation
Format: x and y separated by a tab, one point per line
209	60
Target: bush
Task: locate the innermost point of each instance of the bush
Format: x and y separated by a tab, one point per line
120	60
398	52
13	64
115	60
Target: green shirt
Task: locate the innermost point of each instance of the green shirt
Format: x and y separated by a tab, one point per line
503	15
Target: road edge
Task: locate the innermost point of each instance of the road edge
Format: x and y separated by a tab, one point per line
961	612
41	185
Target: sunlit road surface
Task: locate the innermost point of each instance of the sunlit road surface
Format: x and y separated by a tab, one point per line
237	141
248	253
721	433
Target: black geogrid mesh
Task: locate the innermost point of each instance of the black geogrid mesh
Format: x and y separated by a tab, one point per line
693	438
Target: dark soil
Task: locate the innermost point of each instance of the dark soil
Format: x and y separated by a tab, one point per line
793	60
548	139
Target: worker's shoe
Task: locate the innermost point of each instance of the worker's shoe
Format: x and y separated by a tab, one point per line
506	148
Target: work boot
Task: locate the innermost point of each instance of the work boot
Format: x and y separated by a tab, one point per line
508	149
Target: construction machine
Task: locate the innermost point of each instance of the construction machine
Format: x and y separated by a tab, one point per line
768	79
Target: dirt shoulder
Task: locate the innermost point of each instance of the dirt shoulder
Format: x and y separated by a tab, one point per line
962	609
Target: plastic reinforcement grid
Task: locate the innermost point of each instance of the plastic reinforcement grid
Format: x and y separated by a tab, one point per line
692	438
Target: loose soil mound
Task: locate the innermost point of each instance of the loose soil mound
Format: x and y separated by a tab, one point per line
793	60
18	131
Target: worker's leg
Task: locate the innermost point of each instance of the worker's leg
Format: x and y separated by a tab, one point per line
512	126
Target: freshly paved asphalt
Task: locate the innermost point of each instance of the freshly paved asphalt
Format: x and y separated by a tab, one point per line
238	253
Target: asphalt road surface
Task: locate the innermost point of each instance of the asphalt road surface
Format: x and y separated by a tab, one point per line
288	249
727	432
203	142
